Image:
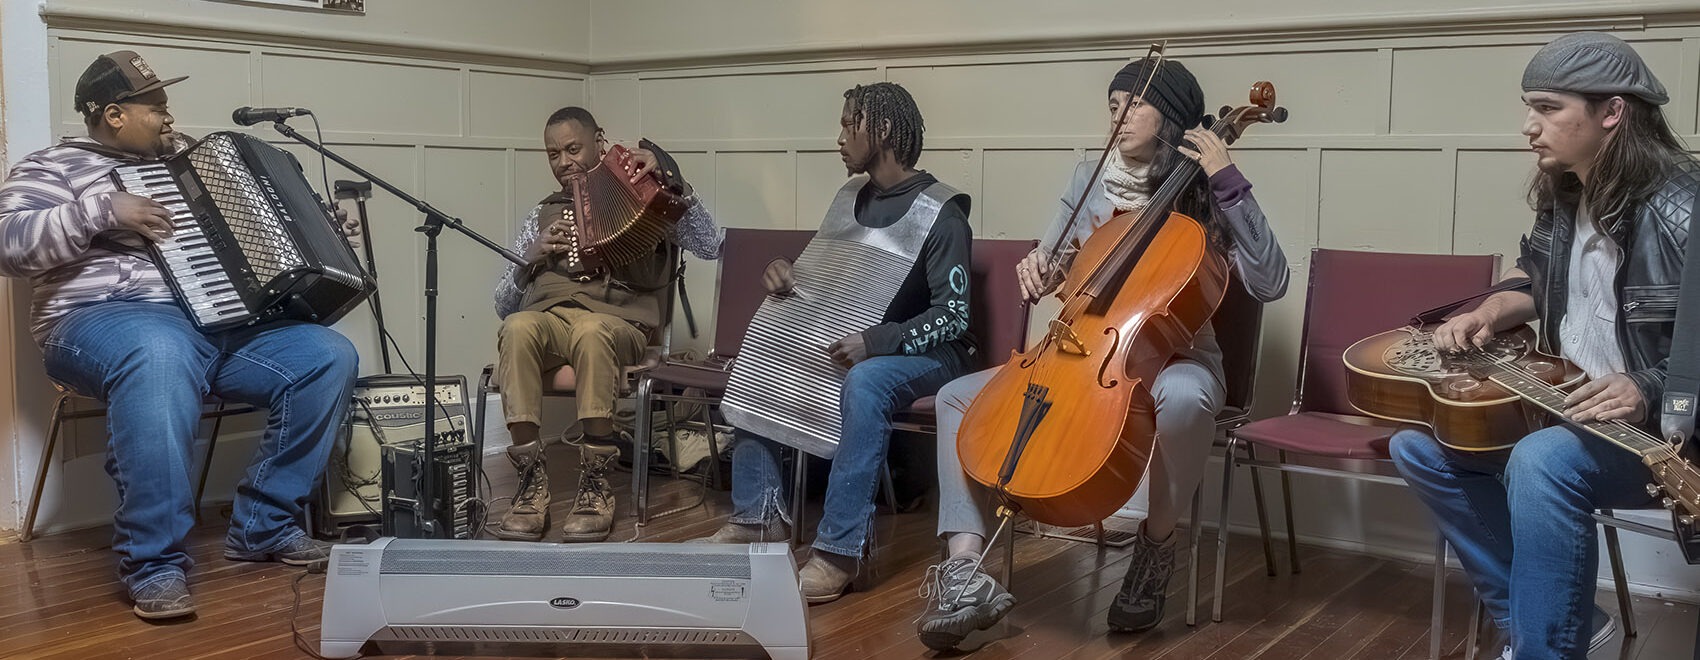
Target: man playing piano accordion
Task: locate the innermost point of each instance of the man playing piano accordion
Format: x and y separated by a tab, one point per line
598	322
110	328
922	342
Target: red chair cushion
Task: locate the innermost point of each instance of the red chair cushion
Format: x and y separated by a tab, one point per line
1320	435
711	379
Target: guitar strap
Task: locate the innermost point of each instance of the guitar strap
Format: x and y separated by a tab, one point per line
1435	315
1682	379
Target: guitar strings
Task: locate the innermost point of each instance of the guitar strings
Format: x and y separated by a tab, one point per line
1510	365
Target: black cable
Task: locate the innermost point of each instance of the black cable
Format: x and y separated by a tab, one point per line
325	168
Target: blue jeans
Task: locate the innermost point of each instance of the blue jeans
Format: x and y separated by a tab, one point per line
152	369
1521	521
873	390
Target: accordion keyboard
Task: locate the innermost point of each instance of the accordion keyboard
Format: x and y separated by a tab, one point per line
189	256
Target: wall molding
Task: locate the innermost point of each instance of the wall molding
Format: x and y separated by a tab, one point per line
1196	33
249	34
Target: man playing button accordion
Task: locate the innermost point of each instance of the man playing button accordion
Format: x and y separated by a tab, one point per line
558	311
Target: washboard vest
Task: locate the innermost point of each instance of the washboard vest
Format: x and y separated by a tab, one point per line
784	385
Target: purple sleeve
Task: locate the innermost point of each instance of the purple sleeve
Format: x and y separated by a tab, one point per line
1229	186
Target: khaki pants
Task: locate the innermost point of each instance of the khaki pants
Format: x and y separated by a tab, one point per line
598	346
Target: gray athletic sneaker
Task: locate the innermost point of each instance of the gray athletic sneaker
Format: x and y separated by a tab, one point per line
164	597
960	600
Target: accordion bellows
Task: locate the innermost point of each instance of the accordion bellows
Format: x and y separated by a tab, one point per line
618	221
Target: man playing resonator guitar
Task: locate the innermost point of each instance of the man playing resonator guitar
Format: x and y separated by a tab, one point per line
1613	200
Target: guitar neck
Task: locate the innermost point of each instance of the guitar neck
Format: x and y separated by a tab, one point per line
1622	434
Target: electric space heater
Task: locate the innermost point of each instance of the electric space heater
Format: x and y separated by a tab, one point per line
407	596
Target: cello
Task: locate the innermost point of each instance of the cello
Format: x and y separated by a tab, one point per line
1064	431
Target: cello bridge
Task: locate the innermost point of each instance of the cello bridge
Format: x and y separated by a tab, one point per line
1069	342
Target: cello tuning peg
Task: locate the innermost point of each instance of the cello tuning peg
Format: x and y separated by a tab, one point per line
1224	111
1278	115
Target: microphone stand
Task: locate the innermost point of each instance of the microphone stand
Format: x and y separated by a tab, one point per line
423	512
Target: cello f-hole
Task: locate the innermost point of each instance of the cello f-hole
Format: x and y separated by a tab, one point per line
1109	357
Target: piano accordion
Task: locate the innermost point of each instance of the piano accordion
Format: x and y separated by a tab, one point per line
611	221
251	243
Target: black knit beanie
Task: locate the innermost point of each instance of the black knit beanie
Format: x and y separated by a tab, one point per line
1173	91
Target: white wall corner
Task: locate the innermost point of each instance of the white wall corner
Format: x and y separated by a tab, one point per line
25	126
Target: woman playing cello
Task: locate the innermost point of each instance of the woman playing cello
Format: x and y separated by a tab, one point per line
1159	129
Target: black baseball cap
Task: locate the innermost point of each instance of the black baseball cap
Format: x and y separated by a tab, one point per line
116	76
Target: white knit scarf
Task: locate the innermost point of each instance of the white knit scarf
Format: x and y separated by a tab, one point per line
1127	187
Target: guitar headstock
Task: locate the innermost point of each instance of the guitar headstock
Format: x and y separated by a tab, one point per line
1677	482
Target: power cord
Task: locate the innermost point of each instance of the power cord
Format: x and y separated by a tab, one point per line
295	635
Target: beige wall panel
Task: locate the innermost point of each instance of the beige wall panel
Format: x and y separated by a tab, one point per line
555	27
1392	201
1022	189
717	26
1327	93
516	106
819	176
960	169
1475	90
466	330
1055	98
614	101
757	189
1492	212
387	99
793	105
821	173
533	180
395	246
1284	183
698	168
217	84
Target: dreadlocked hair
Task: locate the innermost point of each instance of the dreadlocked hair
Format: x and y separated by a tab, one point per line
892	120
1630	165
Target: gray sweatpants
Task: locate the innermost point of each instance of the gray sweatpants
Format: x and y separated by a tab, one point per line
1188	397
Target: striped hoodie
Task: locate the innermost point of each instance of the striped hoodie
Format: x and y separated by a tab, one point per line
53	205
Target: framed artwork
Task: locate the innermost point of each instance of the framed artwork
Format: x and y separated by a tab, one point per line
343	6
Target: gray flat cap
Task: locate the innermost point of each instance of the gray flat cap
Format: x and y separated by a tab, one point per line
1592	63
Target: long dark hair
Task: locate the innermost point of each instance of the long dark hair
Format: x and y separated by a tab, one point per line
1195	201
1631	164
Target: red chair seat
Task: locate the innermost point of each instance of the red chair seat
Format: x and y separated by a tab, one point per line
1320	434
711	379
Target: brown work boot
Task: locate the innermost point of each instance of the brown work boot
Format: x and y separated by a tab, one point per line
593	509
826	577
528	518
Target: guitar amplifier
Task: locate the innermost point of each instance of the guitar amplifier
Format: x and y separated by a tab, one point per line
454	486
387	415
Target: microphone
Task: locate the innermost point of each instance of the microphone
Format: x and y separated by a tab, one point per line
246	116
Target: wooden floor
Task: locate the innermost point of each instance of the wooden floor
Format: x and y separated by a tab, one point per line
58	599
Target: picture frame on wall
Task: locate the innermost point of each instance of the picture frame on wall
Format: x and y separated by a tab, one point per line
340	6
